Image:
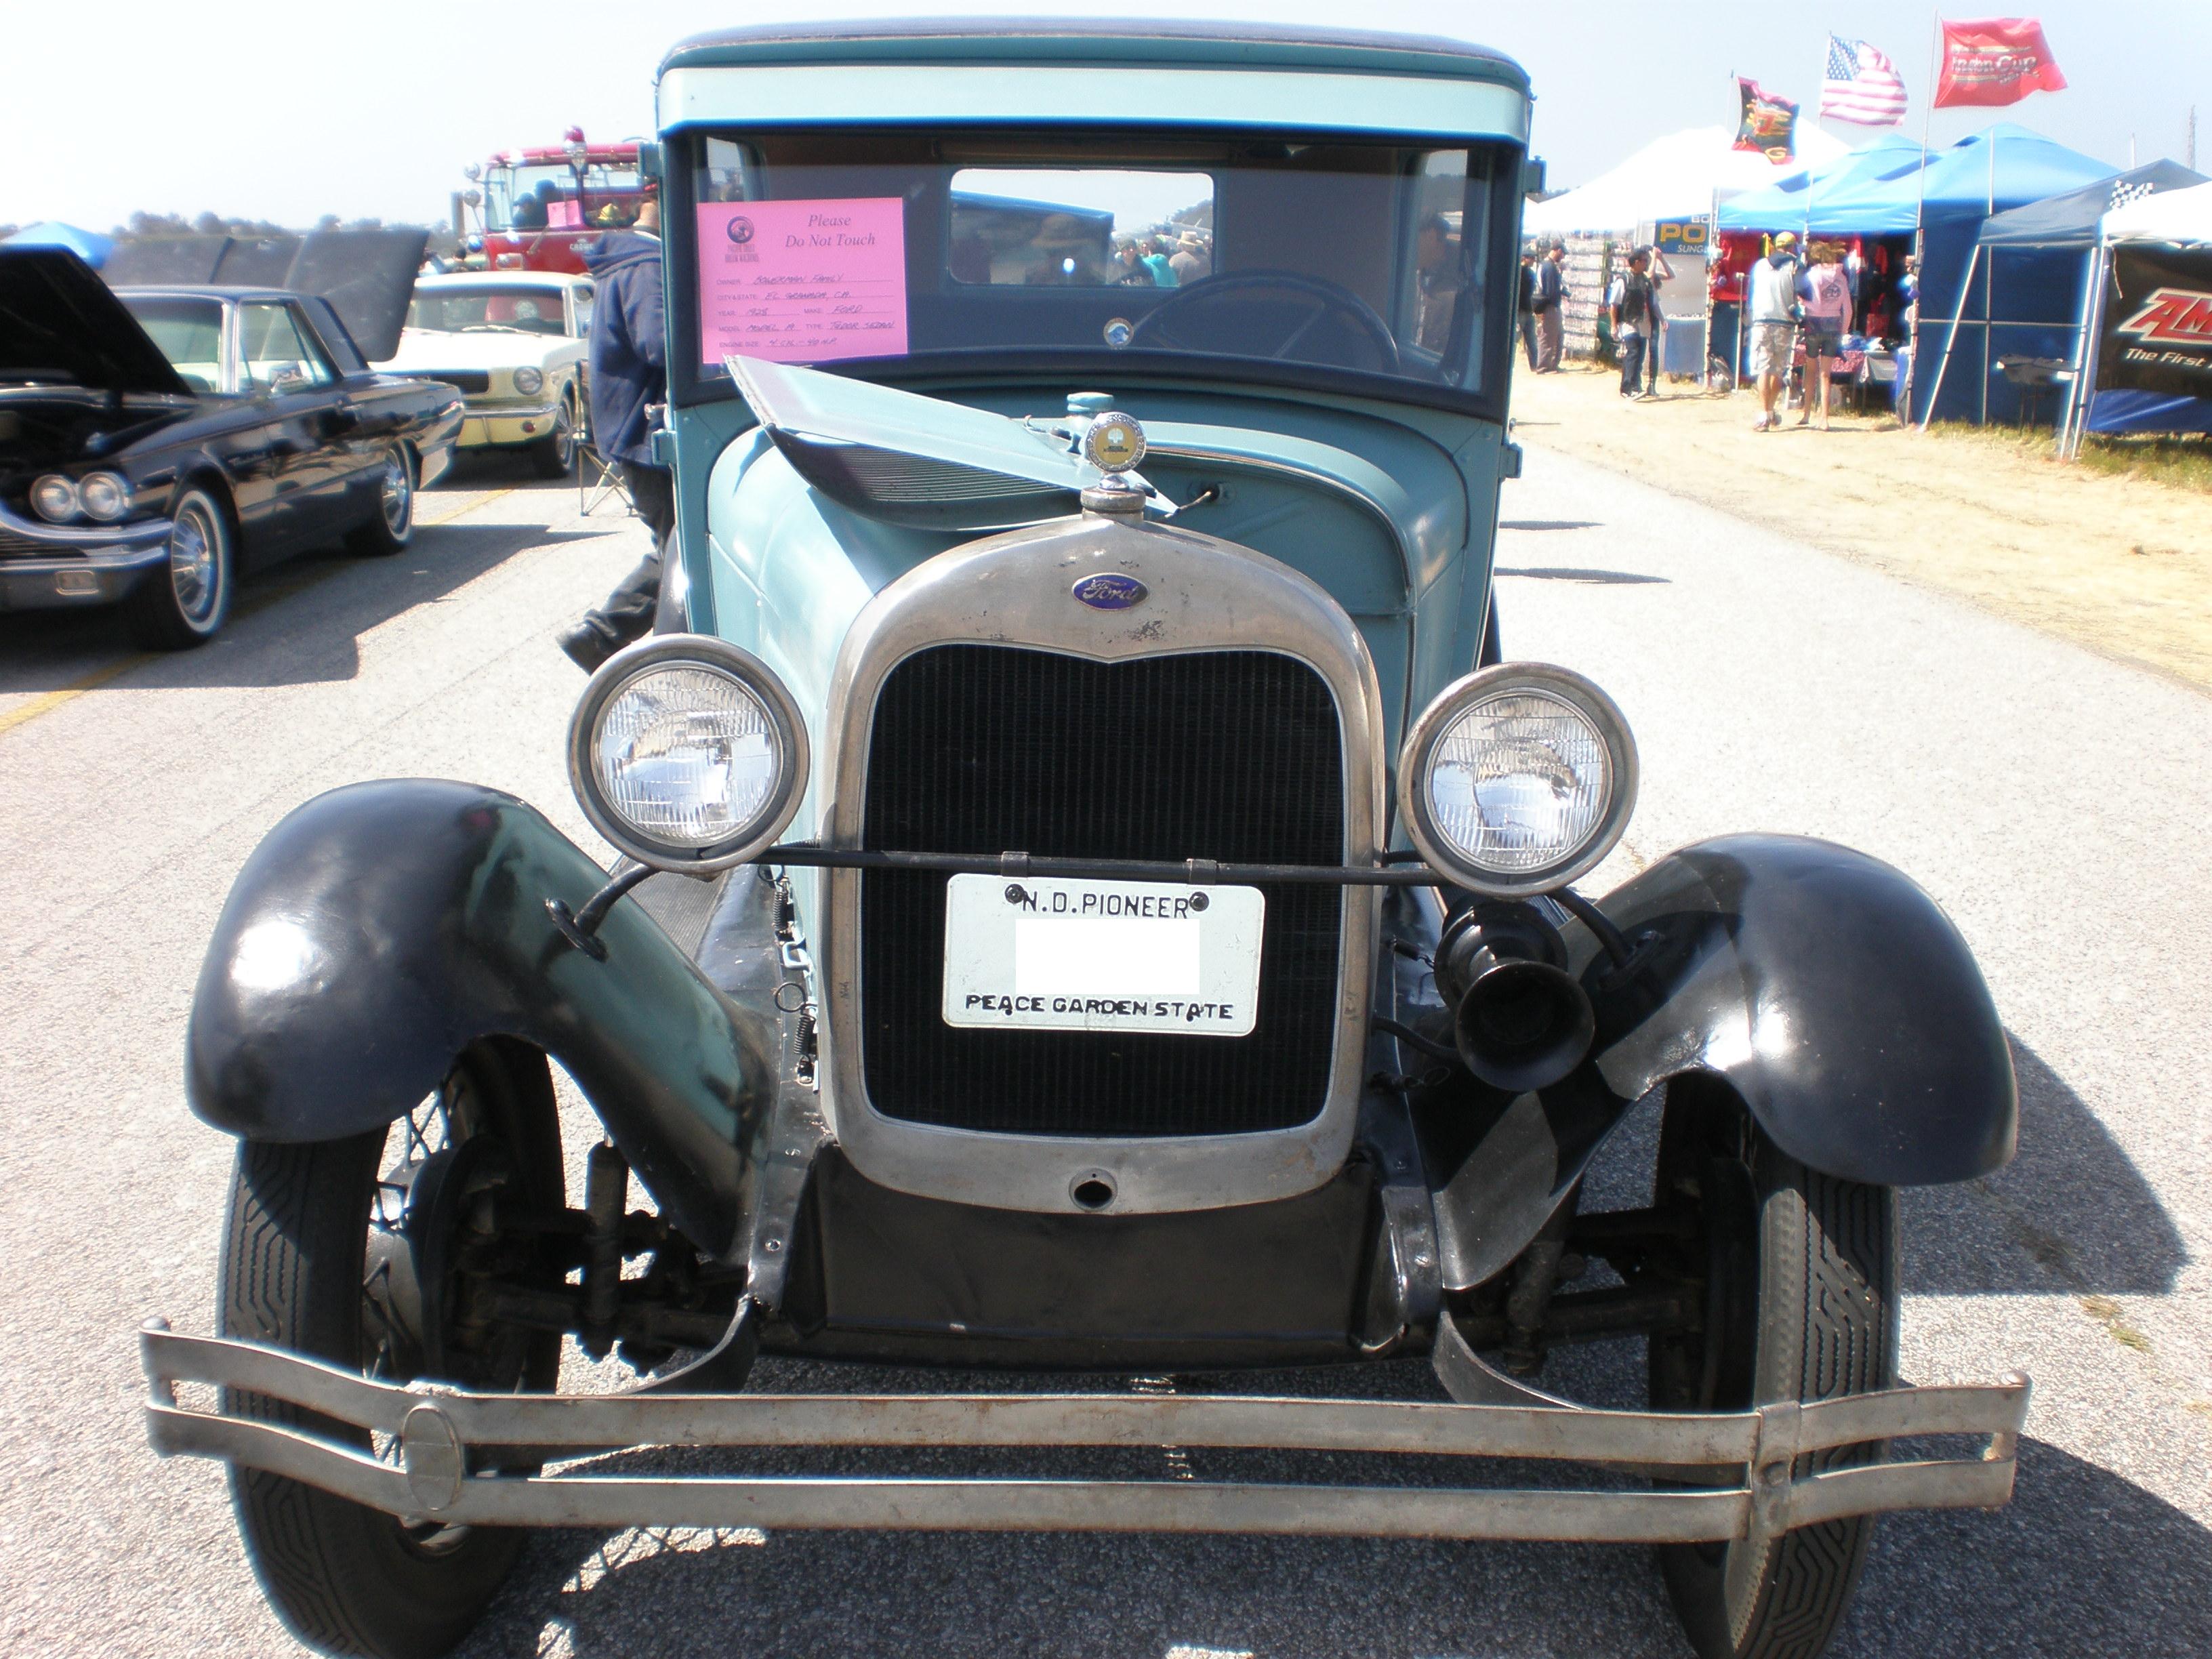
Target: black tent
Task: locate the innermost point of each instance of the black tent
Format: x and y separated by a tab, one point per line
2071	220
2052	247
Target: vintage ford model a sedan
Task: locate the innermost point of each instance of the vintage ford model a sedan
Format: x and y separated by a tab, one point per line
1092	898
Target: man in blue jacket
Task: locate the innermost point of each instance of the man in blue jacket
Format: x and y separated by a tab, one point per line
629	374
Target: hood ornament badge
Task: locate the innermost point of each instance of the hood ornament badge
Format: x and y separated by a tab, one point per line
1110	590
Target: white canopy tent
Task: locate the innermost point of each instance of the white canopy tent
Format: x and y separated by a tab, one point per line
2178	217
1680	176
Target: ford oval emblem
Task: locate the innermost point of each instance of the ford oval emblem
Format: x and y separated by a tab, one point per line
1110	591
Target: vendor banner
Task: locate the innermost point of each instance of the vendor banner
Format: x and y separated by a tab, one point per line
1767	123
1992	61
2158	323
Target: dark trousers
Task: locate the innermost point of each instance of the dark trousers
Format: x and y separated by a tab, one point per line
1551	335
627	613
1632	363
1529	335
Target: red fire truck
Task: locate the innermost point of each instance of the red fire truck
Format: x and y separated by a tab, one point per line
538	209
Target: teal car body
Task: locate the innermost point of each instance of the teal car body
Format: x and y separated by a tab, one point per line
1095	901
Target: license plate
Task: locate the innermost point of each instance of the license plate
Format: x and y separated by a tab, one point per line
1060	955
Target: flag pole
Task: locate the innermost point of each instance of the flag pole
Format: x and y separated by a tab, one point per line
1988	279
1919	217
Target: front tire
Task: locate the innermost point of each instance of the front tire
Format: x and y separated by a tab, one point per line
554	456
1800	1305
307	1266
185	602
392	526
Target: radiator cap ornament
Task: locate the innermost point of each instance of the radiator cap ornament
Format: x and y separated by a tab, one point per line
1110	590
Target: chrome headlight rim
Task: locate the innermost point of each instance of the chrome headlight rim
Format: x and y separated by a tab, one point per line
702	651
529	381
111	487
1418	754
62	505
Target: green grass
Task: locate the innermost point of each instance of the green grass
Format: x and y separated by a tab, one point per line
2184	463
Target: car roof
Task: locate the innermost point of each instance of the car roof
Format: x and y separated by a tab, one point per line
1169	44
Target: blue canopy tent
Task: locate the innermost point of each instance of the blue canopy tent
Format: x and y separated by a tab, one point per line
2057	242
88	246
1800	203
2006	166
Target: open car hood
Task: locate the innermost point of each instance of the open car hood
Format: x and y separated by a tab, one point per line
909	459
367	276
59	322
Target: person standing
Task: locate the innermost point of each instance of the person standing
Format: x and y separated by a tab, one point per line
1770	296
1632	301
628	357
1551	301
1655	347
1190	262
1824	289
1157	261
1526	307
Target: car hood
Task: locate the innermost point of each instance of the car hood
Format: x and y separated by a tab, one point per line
58	318
367	276
424	350
909	459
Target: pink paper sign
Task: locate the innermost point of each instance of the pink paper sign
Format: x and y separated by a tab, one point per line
802	282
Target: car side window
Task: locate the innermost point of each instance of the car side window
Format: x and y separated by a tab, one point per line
277	356
582	294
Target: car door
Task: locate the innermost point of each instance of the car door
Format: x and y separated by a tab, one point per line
307	423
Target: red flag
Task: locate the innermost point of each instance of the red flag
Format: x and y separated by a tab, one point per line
1994	60
1767	123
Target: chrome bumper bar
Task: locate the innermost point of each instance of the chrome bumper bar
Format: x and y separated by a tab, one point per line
1744	1460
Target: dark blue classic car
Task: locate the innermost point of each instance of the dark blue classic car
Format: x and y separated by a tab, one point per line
156	441
1094	897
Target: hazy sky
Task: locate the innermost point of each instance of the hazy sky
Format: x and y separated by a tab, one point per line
287	112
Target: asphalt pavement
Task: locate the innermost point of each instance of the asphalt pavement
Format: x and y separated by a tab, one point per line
2054	802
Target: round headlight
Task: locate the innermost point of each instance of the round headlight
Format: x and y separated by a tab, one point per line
528	381
104	496
1517	779
688	753
53	498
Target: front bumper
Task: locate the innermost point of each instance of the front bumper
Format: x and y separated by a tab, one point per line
484	428
43	566
1743	1464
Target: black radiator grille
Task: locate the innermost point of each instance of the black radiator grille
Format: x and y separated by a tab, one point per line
1234	756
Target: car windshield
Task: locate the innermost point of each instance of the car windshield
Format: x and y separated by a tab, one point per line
543	196
188	333
526	309
1278	260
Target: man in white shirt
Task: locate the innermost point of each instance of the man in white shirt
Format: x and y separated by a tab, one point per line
1770	300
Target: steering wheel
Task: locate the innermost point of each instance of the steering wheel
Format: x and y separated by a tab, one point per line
1271	313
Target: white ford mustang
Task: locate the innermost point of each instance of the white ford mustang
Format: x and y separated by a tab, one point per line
514	344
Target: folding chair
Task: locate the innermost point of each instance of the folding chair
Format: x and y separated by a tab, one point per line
598	479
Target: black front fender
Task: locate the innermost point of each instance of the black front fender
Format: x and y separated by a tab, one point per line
1831	992
382	928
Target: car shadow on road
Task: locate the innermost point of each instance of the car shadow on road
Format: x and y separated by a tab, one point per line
1557	572
2083	1561
2070	1215
277	636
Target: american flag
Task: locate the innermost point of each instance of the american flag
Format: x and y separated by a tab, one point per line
1861	85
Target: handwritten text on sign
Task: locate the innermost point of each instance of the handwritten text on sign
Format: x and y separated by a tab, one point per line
802	282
